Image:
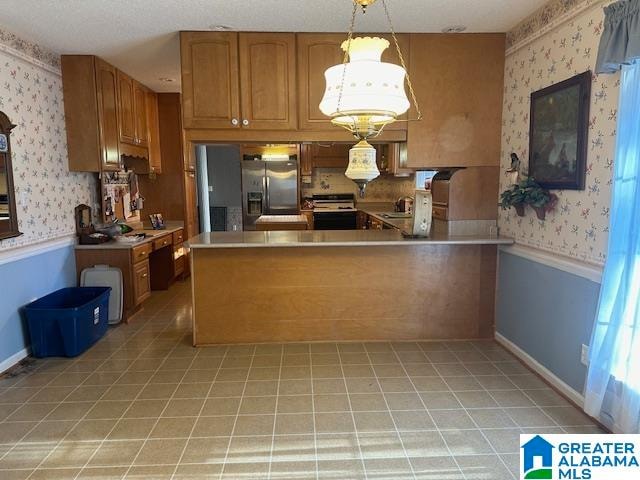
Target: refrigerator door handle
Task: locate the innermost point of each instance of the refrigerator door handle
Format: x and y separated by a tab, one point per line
267	182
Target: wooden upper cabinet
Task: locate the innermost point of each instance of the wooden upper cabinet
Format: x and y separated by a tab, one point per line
126	114
390	55
90	105
458	80
107	95
140	111
316	52
319	51
210	72
153	125
267	81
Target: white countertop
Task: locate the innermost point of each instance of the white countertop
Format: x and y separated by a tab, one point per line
332	238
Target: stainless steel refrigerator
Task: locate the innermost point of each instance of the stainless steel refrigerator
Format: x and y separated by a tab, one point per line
269	187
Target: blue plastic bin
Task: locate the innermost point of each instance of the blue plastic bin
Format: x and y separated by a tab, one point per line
67	322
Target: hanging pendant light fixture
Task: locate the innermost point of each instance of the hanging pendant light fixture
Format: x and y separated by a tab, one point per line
364	94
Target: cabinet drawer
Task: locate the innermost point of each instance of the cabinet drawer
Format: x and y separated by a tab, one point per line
162	242
441	213
178	237
178	265
141	252
141	282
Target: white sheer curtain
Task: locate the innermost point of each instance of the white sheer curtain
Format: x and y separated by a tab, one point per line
613	382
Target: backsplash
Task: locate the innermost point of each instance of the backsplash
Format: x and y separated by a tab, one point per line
382	189
46	192
580	224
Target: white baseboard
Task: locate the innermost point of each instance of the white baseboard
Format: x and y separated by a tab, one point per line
13	359
541	370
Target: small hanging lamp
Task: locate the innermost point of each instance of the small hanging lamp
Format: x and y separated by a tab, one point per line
364	94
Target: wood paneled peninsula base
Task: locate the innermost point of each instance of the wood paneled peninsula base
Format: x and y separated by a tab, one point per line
251	287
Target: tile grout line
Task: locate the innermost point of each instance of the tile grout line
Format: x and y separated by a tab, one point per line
184	449
77	422
353	418
275	416
158	335
235	422
464	476
313	415
480	429
395	425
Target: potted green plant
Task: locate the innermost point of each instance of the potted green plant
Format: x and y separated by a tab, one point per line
540	199
513	197
528	192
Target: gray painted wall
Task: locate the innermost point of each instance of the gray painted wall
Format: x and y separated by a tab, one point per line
223	167
548	313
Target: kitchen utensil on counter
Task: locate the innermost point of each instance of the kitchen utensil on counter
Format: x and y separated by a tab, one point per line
422	216
404	205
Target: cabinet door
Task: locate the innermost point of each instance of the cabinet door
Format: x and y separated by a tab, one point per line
390	55
141	282
106	85
458	80
267	81
126	110
140	111
316	53
330	156
319	51
210	78
153	126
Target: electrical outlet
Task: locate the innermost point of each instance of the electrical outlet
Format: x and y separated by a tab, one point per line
584	355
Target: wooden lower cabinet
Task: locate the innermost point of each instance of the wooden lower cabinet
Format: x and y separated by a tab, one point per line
362	221
141	282
146	267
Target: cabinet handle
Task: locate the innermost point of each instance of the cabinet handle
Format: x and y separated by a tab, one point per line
245	122
234	121
144	275
142	254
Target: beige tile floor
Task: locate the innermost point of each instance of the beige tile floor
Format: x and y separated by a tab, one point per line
144	404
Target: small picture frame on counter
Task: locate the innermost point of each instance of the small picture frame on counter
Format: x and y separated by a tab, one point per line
157	222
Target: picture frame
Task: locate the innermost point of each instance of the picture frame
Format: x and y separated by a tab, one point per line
157	221
558	133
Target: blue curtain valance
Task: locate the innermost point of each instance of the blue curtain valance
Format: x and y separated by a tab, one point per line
620	41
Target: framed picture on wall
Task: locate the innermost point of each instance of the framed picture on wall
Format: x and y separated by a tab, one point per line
558	134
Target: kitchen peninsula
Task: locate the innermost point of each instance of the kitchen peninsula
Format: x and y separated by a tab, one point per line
341	285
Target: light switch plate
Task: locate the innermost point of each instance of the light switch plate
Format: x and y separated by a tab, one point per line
584	355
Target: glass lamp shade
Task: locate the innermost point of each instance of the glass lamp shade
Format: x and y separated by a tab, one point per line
362	165
373	93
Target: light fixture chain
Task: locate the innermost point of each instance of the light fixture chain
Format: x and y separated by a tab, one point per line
395	41
345	60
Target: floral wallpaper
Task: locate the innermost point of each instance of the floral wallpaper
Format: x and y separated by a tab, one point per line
579	226
46	192
545	17
382	189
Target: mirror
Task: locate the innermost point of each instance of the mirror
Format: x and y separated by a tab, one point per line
8	218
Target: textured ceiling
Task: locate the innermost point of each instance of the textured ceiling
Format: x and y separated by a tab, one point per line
140	36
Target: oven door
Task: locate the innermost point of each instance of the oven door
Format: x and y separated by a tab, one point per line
334	220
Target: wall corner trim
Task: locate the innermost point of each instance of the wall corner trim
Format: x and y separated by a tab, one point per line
585	270
14	359
18	253
541	370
